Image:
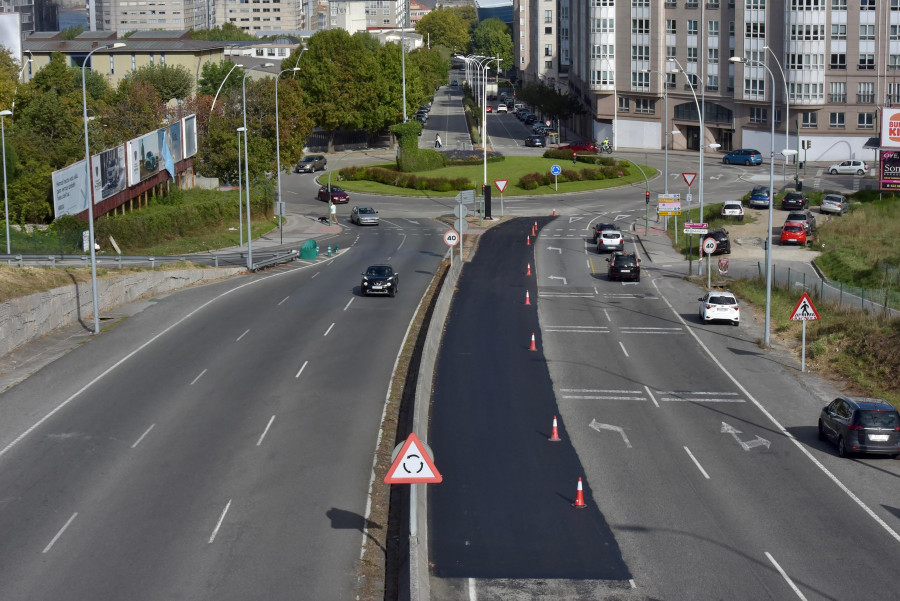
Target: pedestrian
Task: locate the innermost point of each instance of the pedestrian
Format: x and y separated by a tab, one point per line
437	141
333	210
574	158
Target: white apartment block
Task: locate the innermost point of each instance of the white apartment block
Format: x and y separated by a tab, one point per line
260	17
384	13
540	47
165	15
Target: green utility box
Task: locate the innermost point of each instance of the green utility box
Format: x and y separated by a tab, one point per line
309	250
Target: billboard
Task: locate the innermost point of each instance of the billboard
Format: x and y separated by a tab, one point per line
143	157
190	135
11	33
890	128
889	175
69	190
176	144
108	173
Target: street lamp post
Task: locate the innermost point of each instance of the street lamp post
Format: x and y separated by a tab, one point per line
702	136
662	75
615	105
787	110
247	163
278	154
240	131
221	85
88	188
3	115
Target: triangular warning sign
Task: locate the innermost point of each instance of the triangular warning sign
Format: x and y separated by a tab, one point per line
689	178
804	311
413	465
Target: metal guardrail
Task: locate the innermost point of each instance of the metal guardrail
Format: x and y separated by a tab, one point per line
276	259
261	260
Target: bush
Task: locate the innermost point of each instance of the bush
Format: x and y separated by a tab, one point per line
404	180
412	160
570	175
531	181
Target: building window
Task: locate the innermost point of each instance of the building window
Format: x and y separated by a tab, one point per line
758	114
548	49
809	120
604	26
640	80
671	80
640	53
692	54
755	30
162	59
692	27
671	52
838	4
640	26
712	82
866	62
838	31
713	28
866	4
893	93
640	2
836	120
712	56
672	25
867	32
865	92
623	104
548	64
755	4
895	4
151	60
644	105
838	61
548	31
865	121
755	88
548	16
838	92
112	64
894	62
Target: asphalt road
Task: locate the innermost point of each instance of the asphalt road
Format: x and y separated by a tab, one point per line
217	444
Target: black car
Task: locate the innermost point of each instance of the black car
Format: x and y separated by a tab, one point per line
624	266
794	201
720	235
599	227
530	119
861	425
380	279
535	141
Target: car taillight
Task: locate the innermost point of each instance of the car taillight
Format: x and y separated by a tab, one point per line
709	306
855	427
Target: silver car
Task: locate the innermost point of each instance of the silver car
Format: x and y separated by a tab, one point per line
364	216
311	163
835	203
849	168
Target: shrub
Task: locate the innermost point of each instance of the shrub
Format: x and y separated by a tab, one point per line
571	175
530	181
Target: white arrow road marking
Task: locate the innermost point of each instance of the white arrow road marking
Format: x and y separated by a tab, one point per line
598	427
574	219
558	277
411	221
727	429
715	177
554	248
620	217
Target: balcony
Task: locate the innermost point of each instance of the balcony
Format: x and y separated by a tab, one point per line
865	98
671	4
692	4
837	98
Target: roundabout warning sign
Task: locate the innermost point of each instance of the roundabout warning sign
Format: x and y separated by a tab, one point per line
413	465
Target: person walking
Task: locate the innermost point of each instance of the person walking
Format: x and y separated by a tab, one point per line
332	208
437	141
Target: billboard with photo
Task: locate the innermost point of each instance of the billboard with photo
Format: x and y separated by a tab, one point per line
890	128
889	176
190	135
69	190
11	33
143	157
176	144
108	173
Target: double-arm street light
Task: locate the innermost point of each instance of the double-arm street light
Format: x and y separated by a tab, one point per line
662	75
88	188
702	133
487	64
247	163
278	152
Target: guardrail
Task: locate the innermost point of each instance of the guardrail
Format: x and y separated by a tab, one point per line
261	260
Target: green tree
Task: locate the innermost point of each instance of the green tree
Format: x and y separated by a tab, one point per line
9	73
433	67
169	82
134	109
213	74
390	101
70	33
469	15
228	32
492	38
444	26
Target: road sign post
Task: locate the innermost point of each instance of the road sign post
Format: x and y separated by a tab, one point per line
555	170
451	239
501	185
709	247
804	311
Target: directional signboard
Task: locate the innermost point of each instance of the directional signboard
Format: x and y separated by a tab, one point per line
413	465
696	228
466	197
804	311
668	204
501	184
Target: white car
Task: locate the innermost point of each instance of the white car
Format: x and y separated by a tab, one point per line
733	208
717	305
849	168
501	108
610	241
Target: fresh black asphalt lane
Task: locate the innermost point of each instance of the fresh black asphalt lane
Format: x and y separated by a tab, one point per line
504	509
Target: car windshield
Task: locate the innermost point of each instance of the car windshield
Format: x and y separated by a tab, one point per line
366	211
732	205
379	271
308	159
796	217
834	199
722	300
879	419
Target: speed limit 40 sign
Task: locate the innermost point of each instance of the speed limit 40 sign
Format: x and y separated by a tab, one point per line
451	238
709	245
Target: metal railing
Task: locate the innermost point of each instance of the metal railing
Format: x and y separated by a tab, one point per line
238	259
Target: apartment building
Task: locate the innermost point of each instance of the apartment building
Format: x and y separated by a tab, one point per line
840	59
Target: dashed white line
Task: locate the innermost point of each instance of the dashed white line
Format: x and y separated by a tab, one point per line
284	299
198	377
652	398
328	330
785	576
348	304
473	596
697	463
605	312
316	274
623	349
138	441
301	369
219	523
263	435
242	335
60	533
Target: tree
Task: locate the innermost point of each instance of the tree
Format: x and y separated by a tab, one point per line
9	74
469	16
390	102
134	109
169	82
227	32
213	74
445	27
492	38
432	66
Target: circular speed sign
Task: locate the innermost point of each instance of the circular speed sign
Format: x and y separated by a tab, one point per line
451	238
709	245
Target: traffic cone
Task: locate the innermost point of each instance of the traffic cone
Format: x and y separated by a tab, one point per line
554	212
535	227
554	435
579	497
529	270
527	240
533	347
527	298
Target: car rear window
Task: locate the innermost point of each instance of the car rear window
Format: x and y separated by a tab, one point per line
625	261
722	300
796	217
612	235
879	419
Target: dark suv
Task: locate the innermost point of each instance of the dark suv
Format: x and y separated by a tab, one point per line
720	235
861	425
624	266
599	227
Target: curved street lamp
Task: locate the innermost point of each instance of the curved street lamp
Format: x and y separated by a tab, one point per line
88	188
247	163
221	85
3	115
278	150
702	133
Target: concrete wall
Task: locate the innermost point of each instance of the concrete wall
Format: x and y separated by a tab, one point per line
29	317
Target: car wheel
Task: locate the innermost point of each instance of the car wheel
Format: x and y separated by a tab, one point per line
842	450
726	161
747	162
859	172
833	172
735	323
822	432
393	292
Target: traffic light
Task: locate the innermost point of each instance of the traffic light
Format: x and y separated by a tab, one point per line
487	201
647	196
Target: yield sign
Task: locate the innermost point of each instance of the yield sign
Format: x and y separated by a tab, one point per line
689	178
413	465
501	184
804	311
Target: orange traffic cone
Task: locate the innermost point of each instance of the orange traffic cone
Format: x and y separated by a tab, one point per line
529	270
554	212
579	497
533	347
527	240
535	227
554	434
527	298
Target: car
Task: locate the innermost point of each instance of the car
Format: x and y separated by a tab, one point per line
733	208
530	119
338	195
311	163
492	97
425	108
723	244
806	217
861	425
523	114
510	104
380	279
535	141
743	156
834	203
422	119
518	107
454	83
363	216
719	306
849	167
600	227
793	232
623	266
759	197
489	109
582	147
539	128
610	241
793	201
501	108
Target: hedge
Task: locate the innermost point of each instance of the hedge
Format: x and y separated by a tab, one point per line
400	179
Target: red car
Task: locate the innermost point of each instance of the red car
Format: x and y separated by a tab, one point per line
793	232
585	147
489	108
338	195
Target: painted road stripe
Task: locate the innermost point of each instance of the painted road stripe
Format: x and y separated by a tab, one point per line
347	306
603	398
242	335
565	294
652	398
283	300
302	367
697	463
623	349
138	441
219	523
605	391
578	331
198	377
60	533
328	330
269	425
701	400
785	576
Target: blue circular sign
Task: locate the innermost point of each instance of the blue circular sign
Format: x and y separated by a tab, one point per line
555	170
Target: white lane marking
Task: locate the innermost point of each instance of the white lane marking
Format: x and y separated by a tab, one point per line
401	243
697	463
198	377
138	441
623	349
302	367
242	335
554	248
605	312
781	428
588	261
595	291
328	330
700	393
58	534
348	304
652	398
785	576
578	331
680	399
590	397
631	582
650	328
284	299
558	277
598	426
635	296
219	523
269	425
315	274
596	390
473	596
565	294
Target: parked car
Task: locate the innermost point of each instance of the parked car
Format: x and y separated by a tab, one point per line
311	163
582	147
793	201
719	306
535	141
733	208
835	203
523	114
425	108
759	197
489	109
530	119
454	83
723	244
849	168
510	104
380	279
624	266
743	156
793	232
600	227
861	425
364	216
806	217
610	241
338	195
